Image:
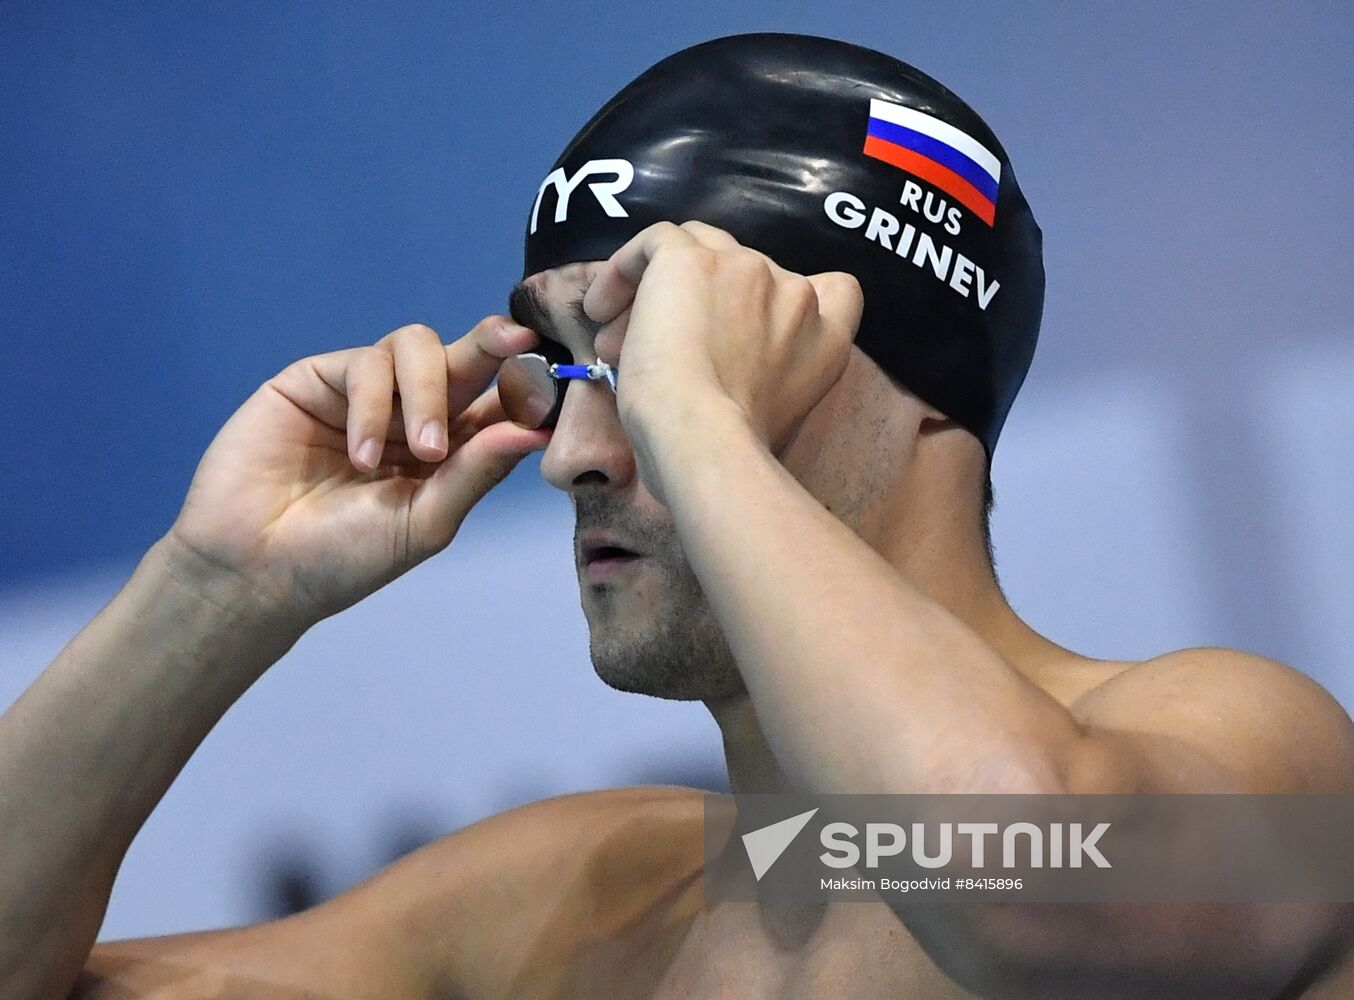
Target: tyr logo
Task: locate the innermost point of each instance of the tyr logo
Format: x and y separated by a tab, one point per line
604	191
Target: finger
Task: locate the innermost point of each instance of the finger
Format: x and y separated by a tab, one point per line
315	384
611	337
485	410
442	501
473	360
718	239
840	303
320	385
395	429
421	379
613	287
368	384
398	453
710	236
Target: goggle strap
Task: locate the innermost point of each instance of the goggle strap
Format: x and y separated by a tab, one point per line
599	371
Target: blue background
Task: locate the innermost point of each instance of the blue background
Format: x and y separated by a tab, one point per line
193	195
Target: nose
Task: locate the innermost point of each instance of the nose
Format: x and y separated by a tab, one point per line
588	448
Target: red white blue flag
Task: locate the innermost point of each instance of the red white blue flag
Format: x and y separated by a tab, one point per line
936	152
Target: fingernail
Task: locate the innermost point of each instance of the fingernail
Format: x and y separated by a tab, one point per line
369	452
433	436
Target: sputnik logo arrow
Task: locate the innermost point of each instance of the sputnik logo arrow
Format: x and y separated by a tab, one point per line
764	846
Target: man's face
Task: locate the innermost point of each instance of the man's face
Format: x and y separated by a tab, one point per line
650	625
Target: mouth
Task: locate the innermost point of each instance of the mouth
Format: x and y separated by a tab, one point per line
604	558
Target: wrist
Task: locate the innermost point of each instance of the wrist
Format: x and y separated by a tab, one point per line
680	413
219	596
682	433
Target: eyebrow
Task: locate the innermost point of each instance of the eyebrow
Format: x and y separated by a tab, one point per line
527	307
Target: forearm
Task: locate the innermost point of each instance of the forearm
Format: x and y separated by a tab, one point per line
93	744
860	682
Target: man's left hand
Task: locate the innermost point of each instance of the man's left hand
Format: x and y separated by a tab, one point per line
690	315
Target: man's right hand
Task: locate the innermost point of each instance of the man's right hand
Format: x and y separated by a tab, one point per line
346	469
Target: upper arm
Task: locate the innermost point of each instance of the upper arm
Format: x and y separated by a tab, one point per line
1196	721
1214	720
339	948
504	901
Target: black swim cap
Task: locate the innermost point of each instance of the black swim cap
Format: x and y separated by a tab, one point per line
825	156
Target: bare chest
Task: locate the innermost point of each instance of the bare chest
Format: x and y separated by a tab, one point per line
859	950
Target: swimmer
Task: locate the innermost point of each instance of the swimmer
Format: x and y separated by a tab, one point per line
778	296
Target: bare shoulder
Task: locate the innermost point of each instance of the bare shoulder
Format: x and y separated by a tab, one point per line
522	897
506	900
1254	715
535	848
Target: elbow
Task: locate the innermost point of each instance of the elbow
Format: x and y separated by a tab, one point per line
1018	770
1015	951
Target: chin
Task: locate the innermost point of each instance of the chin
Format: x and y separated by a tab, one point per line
661	640
667	668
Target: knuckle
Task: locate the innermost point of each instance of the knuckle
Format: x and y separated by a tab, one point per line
292	372
721	237
659	236
801	291
371	360
505	326
845	284
375	358
670	252
489	335
420	331
749	266
491	322
400	336
839	286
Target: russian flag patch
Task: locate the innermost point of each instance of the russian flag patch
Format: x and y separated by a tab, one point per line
936	152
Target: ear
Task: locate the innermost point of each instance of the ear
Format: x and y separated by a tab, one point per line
929	419
934	422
